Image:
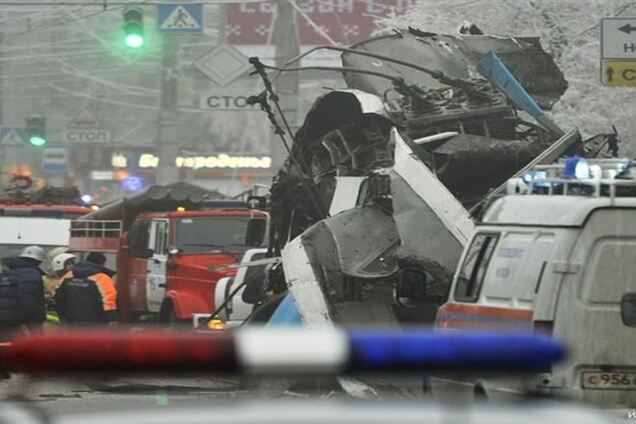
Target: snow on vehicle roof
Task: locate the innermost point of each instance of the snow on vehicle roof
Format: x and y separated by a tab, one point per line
549	211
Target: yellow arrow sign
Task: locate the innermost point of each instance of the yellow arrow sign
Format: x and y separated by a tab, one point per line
619	73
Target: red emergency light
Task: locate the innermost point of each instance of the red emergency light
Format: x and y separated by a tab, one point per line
109	351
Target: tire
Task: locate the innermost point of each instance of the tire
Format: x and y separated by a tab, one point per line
168	317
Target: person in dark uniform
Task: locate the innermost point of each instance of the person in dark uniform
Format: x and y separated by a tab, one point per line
22	292
88	296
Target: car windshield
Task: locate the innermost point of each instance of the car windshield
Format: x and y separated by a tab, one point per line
211	234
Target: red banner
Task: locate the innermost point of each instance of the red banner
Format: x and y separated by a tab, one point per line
344	22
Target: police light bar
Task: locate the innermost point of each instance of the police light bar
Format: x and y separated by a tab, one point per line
264	351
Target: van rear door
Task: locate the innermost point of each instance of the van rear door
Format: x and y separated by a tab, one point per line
602	348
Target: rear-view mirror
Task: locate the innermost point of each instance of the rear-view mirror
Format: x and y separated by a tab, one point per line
628	309
255	234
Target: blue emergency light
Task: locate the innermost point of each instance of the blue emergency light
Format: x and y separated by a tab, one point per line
425	350
576	168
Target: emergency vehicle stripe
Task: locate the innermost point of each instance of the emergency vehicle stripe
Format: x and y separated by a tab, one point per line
462	316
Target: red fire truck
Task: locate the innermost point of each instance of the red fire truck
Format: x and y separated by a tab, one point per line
168	262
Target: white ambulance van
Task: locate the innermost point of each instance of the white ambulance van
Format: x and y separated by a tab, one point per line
557	255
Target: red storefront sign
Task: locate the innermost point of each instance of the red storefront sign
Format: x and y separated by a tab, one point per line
345	22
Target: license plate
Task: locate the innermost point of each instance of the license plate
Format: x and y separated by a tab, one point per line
608	380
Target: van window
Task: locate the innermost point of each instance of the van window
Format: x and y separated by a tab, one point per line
474	267
610	270
160	238
138	239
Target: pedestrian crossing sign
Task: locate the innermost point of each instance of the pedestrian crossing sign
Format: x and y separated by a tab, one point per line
10	136
180	18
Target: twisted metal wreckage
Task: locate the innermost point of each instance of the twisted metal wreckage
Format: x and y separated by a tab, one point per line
385	180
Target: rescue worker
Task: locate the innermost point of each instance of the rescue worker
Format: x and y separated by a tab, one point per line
22	291
88	294
63	265
53	279
10	309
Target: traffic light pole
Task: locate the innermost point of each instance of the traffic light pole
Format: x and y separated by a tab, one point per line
167	128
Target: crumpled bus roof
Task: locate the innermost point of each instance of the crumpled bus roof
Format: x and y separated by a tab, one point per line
457	57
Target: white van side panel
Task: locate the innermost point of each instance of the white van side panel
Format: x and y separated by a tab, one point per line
588	311
549	286
516	266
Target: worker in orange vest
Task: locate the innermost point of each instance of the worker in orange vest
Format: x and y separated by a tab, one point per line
88	295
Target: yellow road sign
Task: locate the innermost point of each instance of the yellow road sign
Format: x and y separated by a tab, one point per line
617	73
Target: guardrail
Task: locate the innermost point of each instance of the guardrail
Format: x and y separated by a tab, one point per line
98	229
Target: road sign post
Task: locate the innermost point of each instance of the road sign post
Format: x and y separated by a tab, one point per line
618	52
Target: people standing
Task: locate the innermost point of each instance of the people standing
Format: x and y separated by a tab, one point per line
52	279
22	291
88	294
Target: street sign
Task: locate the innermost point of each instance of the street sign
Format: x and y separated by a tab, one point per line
618	38
83	119
12	136
227	101
55	159
223	64
344	22
619	73
87	136
85	128
180	18
99	175
618	52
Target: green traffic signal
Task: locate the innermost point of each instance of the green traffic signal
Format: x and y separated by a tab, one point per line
37	141
36	130
134	41
133	28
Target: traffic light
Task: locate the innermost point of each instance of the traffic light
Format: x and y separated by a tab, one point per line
36	130
133	28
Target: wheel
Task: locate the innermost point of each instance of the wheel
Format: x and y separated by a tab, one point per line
168	317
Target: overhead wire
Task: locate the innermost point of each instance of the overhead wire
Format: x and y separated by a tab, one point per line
315	26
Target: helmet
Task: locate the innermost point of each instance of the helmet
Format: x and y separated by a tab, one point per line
56	252
34	252
57	264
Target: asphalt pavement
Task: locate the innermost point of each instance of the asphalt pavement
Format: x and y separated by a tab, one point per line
63	395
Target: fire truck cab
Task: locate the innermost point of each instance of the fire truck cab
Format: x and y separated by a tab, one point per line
168	263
